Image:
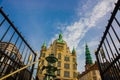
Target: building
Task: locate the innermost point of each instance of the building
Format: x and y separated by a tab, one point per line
66	64
8	55
91	69
10	49
11	60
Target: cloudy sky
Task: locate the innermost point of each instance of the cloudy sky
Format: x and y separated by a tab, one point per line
80	21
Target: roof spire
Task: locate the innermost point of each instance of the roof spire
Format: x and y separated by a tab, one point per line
44	44
88	55
73	51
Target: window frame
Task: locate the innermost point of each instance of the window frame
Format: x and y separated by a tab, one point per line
66	66
66	74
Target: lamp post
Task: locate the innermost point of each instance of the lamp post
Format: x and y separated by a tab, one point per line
50	69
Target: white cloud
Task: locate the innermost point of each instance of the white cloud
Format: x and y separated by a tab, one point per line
76	31
73	33
93	43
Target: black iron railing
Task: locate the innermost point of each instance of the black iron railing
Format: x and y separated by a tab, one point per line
15	52
108	52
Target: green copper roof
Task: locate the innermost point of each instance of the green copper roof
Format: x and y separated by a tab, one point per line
73	51
60	40
88	55
44	44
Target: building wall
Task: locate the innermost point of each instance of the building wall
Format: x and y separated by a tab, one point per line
10	49
91	74
62	52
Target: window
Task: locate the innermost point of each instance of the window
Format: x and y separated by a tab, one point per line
59	64
59	55
66	74
42	62
94	73
74	74
58	72
42	55
13	56
74	60
66	58
40	71
8	53
9	61
66	66
74	66
6	69
2	58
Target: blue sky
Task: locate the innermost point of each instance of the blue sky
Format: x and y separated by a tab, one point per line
80	21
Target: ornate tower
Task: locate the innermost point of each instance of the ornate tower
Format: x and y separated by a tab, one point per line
89	61
91	69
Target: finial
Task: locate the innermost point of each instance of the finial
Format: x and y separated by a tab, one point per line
44	44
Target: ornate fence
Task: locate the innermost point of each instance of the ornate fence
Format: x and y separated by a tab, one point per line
108	52
15	52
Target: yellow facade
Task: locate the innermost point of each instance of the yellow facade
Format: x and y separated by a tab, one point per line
66	61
